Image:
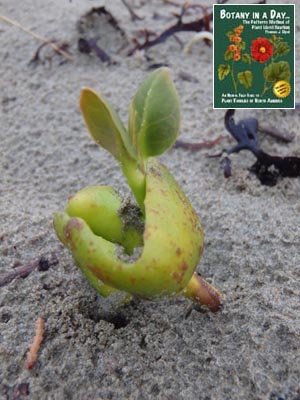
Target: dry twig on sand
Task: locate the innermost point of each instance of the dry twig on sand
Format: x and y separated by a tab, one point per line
133	14
36	344
41	264
207	144
200	24
38	37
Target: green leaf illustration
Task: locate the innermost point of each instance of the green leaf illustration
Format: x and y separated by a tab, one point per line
245	78
281	49
229	33
228	55
242	45
275	39
246	58
223	71
277	71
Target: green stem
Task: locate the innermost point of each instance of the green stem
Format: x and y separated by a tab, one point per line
232	77
136	179
266	88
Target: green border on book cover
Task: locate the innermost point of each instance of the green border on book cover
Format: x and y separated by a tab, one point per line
254	56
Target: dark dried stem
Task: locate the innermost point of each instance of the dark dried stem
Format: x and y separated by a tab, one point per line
275	133
207	144
268	168
41	264
180	26
36	59
172	3
133	15
88	45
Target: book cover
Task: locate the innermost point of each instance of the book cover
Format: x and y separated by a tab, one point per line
254	56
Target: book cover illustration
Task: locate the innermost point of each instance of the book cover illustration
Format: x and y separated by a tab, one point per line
254	56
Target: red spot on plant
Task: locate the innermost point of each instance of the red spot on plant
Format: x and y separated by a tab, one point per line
133	280
104	277
147	234
184	266
200	250
154	211
177	277
72	225
178	251
261	49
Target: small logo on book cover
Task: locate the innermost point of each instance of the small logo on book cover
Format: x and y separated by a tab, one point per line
282	89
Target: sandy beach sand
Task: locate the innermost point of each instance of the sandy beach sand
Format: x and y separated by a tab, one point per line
93	349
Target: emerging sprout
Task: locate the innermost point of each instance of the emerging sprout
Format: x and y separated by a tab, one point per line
96	224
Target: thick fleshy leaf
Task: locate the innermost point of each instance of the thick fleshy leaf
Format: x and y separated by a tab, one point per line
105	125
154	117
173	243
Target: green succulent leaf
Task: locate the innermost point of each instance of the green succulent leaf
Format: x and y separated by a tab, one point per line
277	71
105	125
154	116
223	71
245	78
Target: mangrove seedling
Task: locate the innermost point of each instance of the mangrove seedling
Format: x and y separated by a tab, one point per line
97	226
